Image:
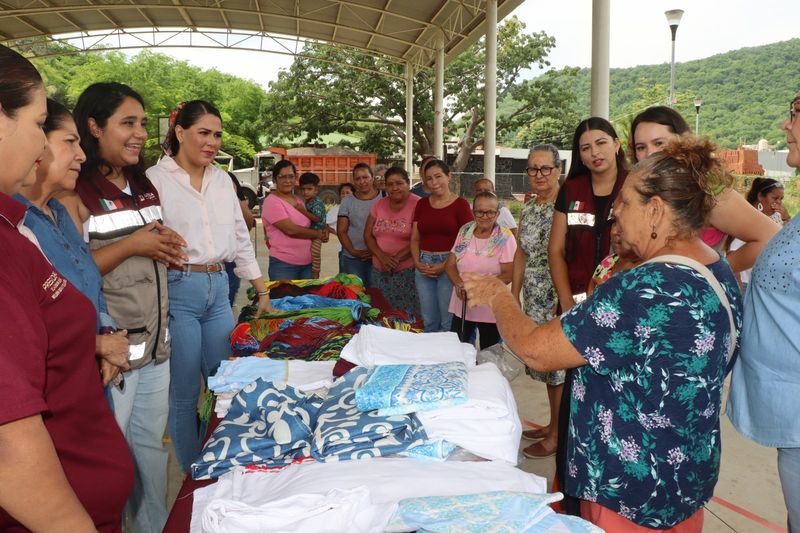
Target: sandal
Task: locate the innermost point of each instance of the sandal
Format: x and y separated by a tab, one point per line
538	451
535	434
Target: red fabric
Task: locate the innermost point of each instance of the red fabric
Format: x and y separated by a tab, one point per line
438	227
608	520
48	367
582	253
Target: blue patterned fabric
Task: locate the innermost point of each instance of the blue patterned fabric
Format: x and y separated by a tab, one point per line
268	423
234	374
313	301
399	389
489	512
644	435
343	432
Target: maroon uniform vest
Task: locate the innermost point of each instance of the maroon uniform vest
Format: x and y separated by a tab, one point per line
588	234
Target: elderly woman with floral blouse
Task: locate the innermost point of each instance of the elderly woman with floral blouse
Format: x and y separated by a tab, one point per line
649	348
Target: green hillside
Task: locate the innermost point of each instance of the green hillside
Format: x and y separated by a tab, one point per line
745	92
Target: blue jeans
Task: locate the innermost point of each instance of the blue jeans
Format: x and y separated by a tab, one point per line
141	413
789	472
282	270
362	269
233	282
201	323
434	294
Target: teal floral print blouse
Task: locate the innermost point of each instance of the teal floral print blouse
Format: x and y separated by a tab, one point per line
644	437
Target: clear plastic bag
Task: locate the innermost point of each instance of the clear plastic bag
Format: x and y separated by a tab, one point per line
504	359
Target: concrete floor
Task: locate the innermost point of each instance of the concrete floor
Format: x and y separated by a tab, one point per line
747	498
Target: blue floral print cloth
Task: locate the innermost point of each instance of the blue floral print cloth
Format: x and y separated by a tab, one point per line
489	512
273	424
399	389
269	423
644	438
344	432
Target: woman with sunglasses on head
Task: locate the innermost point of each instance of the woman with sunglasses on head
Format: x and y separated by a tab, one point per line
437	219
64	465
765	384
532	277
485	247
199	202
650	131
132	250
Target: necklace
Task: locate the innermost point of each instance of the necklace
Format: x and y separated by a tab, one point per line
480	251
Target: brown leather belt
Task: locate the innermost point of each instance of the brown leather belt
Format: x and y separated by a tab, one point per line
216	267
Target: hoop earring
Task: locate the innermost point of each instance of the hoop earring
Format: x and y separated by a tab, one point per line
654	235
760	206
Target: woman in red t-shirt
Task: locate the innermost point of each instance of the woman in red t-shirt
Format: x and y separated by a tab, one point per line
437	220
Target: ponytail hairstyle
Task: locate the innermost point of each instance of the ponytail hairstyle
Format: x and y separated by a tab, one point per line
185	115
761	186
687	176
99	101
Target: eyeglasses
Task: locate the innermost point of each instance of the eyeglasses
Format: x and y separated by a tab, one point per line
544	171
485	214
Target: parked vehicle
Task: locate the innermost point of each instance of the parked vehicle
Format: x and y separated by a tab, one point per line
333	165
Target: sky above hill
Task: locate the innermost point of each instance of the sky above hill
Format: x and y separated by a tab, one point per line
639	33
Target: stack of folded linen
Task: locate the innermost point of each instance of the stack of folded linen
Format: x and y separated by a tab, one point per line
373	346
234	374
274	424
399	389
388	480
487	424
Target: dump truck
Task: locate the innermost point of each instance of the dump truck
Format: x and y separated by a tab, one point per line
333	165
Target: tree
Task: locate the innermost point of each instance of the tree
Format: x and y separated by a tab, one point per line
163	82
336	90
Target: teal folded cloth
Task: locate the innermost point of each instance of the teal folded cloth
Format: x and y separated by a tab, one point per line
400	389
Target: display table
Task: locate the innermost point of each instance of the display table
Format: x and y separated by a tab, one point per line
181	513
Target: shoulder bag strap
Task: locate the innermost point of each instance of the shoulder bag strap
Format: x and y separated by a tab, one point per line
715	285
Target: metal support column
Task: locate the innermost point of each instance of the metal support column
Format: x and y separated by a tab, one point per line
409	118
438	101
490	137
601	37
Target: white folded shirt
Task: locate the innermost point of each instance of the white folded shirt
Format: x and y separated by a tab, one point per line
374	345
487	425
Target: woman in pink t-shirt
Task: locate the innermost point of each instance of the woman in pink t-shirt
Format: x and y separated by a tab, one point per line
482	246
388	236
286	222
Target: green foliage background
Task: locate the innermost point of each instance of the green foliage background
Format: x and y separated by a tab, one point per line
745	92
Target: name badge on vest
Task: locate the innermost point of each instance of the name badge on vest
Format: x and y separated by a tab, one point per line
580	219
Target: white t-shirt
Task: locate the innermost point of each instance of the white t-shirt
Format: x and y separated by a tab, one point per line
505	219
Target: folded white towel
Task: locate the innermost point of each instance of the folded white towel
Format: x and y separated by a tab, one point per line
373	346
487	424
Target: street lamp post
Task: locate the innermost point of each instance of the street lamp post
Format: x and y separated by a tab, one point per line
673	19
697	103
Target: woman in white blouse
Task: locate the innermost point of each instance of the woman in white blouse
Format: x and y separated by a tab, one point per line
198	201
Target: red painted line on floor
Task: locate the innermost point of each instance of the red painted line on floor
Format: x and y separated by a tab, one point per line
747	514
532	424
716	499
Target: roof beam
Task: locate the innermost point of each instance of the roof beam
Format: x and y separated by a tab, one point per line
158	7
380	22
184	14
